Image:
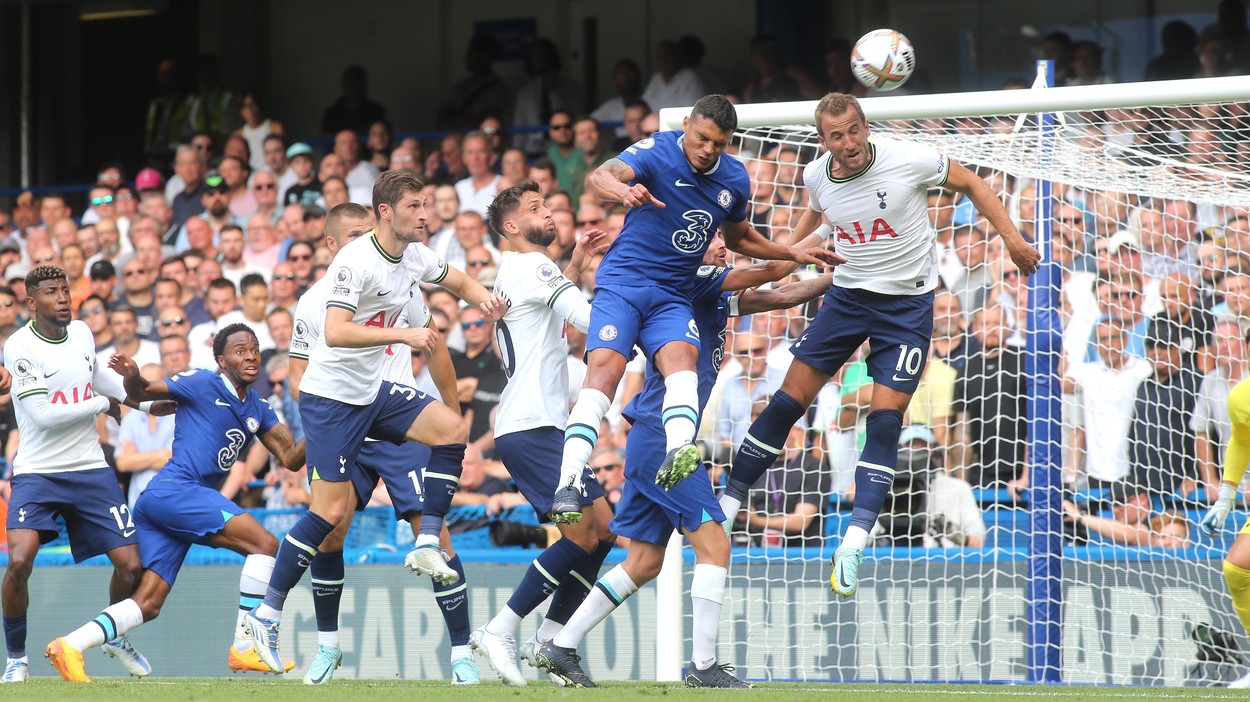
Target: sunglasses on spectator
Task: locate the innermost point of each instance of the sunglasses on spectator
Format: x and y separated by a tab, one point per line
305	257
611	466
1126	293
172	322
215	191
479	262
479	324
284	276
97	201
132	274
1071	220
265	186
562	125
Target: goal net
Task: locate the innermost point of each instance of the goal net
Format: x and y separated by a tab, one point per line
1142	212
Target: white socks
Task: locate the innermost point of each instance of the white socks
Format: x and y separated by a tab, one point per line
504	623
681	399
253	582
730	506
581	434
856	537
114	621
608	593
707	592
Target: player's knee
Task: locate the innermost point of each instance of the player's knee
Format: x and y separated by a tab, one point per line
333	513
586	538
334	541
267	545
19	567
150	607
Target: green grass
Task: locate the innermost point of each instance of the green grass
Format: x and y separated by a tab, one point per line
241	690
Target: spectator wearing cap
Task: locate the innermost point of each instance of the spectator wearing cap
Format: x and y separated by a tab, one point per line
216	201
149	180
1106	390
307	188
1161	443
189	199
1210	423
103	279
15	275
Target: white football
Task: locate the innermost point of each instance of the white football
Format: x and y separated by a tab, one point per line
883	59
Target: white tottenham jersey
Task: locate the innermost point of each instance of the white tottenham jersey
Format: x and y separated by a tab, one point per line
376	288
880	217
531	341
58	387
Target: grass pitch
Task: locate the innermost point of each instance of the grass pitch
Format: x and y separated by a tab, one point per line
234	690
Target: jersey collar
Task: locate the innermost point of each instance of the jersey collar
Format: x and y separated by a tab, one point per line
41	337
872	158
694	170
373	237
229	387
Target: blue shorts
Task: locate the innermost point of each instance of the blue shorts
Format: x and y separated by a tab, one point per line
648	317
171	516
532	458
401	467
898	328
648	512
90	501
335	431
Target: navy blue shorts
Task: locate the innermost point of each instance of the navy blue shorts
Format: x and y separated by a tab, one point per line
897	327
401	467
90	501
532	458
172	516
648	512
647	317
335	431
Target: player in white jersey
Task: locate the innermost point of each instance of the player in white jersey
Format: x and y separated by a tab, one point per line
531	418
59	387
343	397
400	467
874	196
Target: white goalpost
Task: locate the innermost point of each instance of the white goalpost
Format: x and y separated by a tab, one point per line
1138	197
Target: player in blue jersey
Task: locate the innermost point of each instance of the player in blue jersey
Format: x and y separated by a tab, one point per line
679	188
874	194
217	417
647	513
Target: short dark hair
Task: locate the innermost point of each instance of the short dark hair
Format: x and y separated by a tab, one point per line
252	280
42	273
637	102
341	211
506	202
718	109
391	186
229	228
169	280
278	138
219	340
222	284
123	308
545	164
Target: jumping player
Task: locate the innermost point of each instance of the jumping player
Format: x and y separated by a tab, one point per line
647	513
683	188
874	195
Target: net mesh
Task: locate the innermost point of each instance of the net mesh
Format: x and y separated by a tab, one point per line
1149	222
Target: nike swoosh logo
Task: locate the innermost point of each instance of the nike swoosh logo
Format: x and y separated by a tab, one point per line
384	294
322	593
842	581
317	680
49	375
904	379
128	533
219	402
683	184
450	606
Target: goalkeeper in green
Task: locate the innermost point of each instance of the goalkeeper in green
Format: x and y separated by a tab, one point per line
1236	458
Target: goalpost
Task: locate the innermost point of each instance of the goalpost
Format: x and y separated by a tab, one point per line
1144	188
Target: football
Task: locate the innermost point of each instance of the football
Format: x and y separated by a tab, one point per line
883	59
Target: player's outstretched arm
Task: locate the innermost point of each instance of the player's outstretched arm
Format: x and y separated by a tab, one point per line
756	274
783	297
282	444
742	238
610	182
138	388
962	180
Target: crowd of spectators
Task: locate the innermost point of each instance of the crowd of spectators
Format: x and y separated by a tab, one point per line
226	226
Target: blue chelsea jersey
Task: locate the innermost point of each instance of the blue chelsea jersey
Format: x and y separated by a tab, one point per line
213	427
664	245
711	314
